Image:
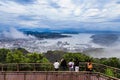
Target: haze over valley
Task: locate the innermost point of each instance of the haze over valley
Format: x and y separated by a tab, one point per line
96	44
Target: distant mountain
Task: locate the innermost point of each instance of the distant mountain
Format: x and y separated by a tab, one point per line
63	31
66	31
46	35
34	29
105	39
99	32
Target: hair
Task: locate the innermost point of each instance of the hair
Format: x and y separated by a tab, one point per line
70	59
89	60
76	59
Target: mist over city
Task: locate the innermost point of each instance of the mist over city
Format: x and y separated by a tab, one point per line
94	43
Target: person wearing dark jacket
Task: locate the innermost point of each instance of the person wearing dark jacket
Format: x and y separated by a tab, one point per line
63	64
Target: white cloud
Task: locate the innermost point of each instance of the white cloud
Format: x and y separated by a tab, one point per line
77	11
15	34
92	12
28	23
12	7
68	10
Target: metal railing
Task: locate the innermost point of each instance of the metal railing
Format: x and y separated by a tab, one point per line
26	67
107	70
49	67
53	75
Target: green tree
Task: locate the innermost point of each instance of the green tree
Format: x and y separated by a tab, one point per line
36	58
81	57
3	54
109	72
15	57
52	56
114	62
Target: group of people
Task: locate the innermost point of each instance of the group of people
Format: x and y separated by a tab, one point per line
62	65
72	65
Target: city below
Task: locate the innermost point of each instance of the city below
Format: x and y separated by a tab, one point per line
36	45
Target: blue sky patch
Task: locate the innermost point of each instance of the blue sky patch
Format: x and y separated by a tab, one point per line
24	1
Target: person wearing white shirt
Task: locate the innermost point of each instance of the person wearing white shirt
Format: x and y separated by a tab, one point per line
56	65
71	65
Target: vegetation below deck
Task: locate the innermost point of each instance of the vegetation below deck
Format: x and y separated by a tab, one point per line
22	56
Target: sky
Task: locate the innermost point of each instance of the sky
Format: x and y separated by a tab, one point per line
61	14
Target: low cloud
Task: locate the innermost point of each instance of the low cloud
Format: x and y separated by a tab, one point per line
106	51
13	33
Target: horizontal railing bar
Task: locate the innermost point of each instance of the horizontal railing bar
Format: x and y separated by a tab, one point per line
18	67
59	72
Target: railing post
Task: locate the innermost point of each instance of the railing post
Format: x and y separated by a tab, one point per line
115	73
98	76
46	75
17	67
34	66
24	76
88	76
2	67
4	76
71	75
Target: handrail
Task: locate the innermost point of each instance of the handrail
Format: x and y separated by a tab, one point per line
49	67
107	66
115	72
114	78
51	64
83	75
100	65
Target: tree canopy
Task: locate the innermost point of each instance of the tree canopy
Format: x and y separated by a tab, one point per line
18	56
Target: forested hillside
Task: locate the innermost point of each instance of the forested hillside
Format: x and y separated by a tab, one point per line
22	56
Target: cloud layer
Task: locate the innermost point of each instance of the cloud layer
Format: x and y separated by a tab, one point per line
15	34
55	14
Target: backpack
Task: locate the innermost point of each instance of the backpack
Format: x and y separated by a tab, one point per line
70	65
90	66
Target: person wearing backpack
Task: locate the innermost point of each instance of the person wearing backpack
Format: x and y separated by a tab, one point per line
71	65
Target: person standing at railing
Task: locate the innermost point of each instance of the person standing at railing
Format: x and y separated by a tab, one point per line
76	64
71	65
56	65
89	66
63	64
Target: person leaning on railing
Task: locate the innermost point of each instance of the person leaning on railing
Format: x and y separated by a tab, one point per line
89	66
